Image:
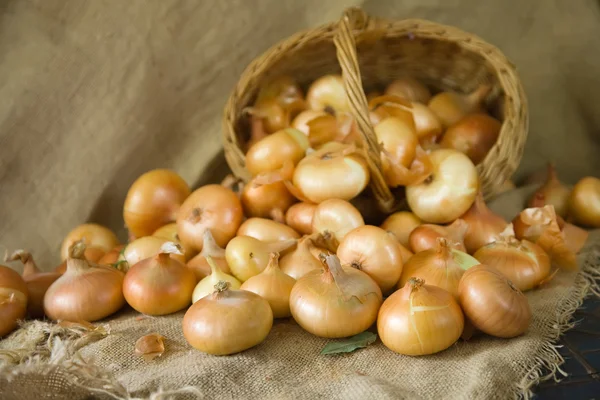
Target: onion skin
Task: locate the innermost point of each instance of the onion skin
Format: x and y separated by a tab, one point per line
483	225
266	200
301	121
584	203
266	230
227	322
336	303
153	201
401	224
13	299
409	89
422	331
474	135
448	192
375	252
336	216
328	93
211	207
271	152
94	235
524	263
492	302
169	232
299	217
552	192
427	124
425	237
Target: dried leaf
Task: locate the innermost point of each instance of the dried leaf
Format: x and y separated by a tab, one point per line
349	345
150	346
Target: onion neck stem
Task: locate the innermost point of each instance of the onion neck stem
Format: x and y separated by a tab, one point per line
210	246
30	268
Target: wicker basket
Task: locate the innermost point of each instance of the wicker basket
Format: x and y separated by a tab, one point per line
371	52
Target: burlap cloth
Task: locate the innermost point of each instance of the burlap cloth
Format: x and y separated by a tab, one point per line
94	93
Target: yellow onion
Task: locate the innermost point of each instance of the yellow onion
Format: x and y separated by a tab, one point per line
483	225
398	137
335	171
328	128
337	302
266	230
427	124
247	256
493	303
210	248
337	217
207	284
451	107
110	258
37	282
85	292
227	321
13	300
552	192
375	252
473	135
159	285
94	236
299	217
448	192
302	259
302	120
424	237
169	232
419	319
267	196
526	264
401	224
274	286
442	266
584	203
271	152
145	247
328	93
153	201
409	89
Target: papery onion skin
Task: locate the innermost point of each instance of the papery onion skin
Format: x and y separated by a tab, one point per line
524	263
450	190
375	252
211	207
299	217
409	89
227	322
336	216
109	258
153	201
94	235
419	319
474	135
398	138
266	230
427	124
401	224
322	308
13	299
301	121
328	93
492	302
584	203
483	225
159	285
247	256
169	232
271	152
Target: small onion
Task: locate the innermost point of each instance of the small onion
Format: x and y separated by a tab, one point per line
552	192
398	138
427	124
419	319
227	321
301	260
584	203
169	232
210	248
474	135
145	247
94	236
266	230
328	93
271	152
207	284
247	256
13	300
153	201
483	225
336	216
425	237
109	258
300	217
337	302
451	107
401	224
409	89
493	303
273	286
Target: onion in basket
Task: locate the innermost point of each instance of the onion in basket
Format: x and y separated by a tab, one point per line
451	107
473	135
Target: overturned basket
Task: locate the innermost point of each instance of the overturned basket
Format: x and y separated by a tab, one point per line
373	52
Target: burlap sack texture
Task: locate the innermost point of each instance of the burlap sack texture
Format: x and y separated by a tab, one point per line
95	93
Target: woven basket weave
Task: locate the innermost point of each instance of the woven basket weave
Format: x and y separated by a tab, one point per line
370	53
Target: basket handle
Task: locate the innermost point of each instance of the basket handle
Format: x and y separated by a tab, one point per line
353	19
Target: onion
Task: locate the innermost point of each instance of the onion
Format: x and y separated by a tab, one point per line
399	139
227	321
492	302
336	216
37	282
302	120
328	93
448	192
302	260
526	264
110	258
273	286
299	217
210	248
401	224
93	235
473	135
375	252
483	225
419	319
442	266
92	254
334	171
271	152
266	230
451	107
211	207
267	196
13	300
146	247
85	292
327	128
337	302
584	203
427	124
247	256
169	232
207	284
409	89
276	103
159	285
425	237
554	193
153	201
396	174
